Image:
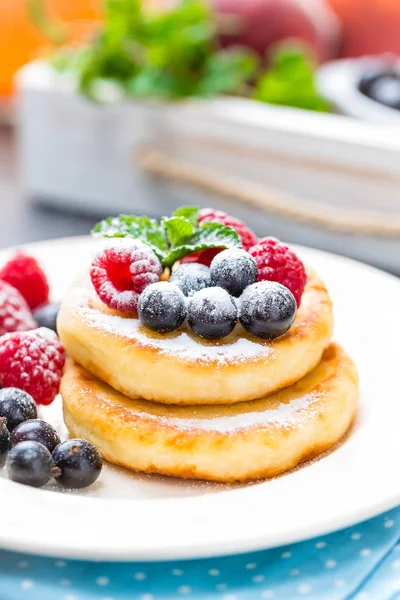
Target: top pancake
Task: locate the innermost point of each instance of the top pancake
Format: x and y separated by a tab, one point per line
180	367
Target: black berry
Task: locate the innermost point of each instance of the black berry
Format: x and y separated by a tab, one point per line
267	310
191	277
36	431
79	462
16	406
233	270
162	307
46	316
212	313
4	442
30	463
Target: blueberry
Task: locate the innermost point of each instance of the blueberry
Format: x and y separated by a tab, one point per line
267	310
79	462
162	307
212	313
191	277
16	406
4	441
30	463
46	316
382	85
36	431
233	270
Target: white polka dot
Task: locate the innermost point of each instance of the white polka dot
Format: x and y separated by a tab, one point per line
65	582
396	565
362	596
103	581
177	572
221	587
330	564
320	545
365	552
70	597
140	576
286	554
304	589
23	564
294	572
60	564
339	583
213	572
184	589
26	584
229	597
251	566
355	536
267	594
258	578
147	597
388	524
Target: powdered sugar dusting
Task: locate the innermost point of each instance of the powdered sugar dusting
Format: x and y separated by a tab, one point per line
182	344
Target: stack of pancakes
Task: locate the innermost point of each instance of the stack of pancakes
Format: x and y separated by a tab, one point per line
231	410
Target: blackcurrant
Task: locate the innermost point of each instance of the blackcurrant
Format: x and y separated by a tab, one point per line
30	463
191	277
16	406
267	310
212	313
36	430
4	442
79	462
233	270
46	316
162	307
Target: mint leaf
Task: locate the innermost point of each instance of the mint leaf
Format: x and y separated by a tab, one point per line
208	235
191	213
179	230
227	71
145	229
291	80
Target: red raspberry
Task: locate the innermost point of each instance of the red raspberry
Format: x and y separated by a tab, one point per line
24	273
122	270
277	262
15	314
32	361
246	235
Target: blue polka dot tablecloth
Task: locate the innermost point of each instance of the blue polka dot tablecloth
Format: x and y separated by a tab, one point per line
359	563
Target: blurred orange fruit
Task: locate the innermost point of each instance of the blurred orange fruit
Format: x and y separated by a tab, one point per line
20	40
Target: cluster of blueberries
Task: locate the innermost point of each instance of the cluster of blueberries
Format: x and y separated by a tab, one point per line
32	450
213	299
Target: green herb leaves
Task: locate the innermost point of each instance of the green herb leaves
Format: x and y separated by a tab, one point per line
174	237
167	53
291	81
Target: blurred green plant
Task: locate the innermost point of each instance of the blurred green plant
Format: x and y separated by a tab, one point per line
167	54
173	53
291	80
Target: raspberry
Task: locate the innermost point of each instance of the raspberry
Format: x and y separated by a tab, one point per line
276	262
247	237
25	274
14	311
122	270
32	361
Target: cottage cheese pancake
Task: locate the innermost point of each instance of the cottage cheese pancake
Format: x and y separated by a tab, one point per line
240	442
180	367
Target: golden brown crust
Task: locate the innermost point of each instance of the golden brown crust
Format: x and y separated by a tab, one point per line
240	442
180	368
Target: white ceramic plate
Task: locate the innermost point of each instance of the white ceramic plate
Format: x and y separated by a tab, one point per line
129	516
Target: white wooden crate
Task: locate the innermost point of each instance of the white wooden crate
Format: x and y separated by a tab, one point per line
339	176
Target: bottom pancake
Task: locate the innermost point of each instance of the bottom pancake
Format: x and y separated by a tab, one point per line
240	442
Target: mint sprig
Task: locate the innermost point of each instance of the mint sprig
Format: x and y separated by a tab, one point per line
174	237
